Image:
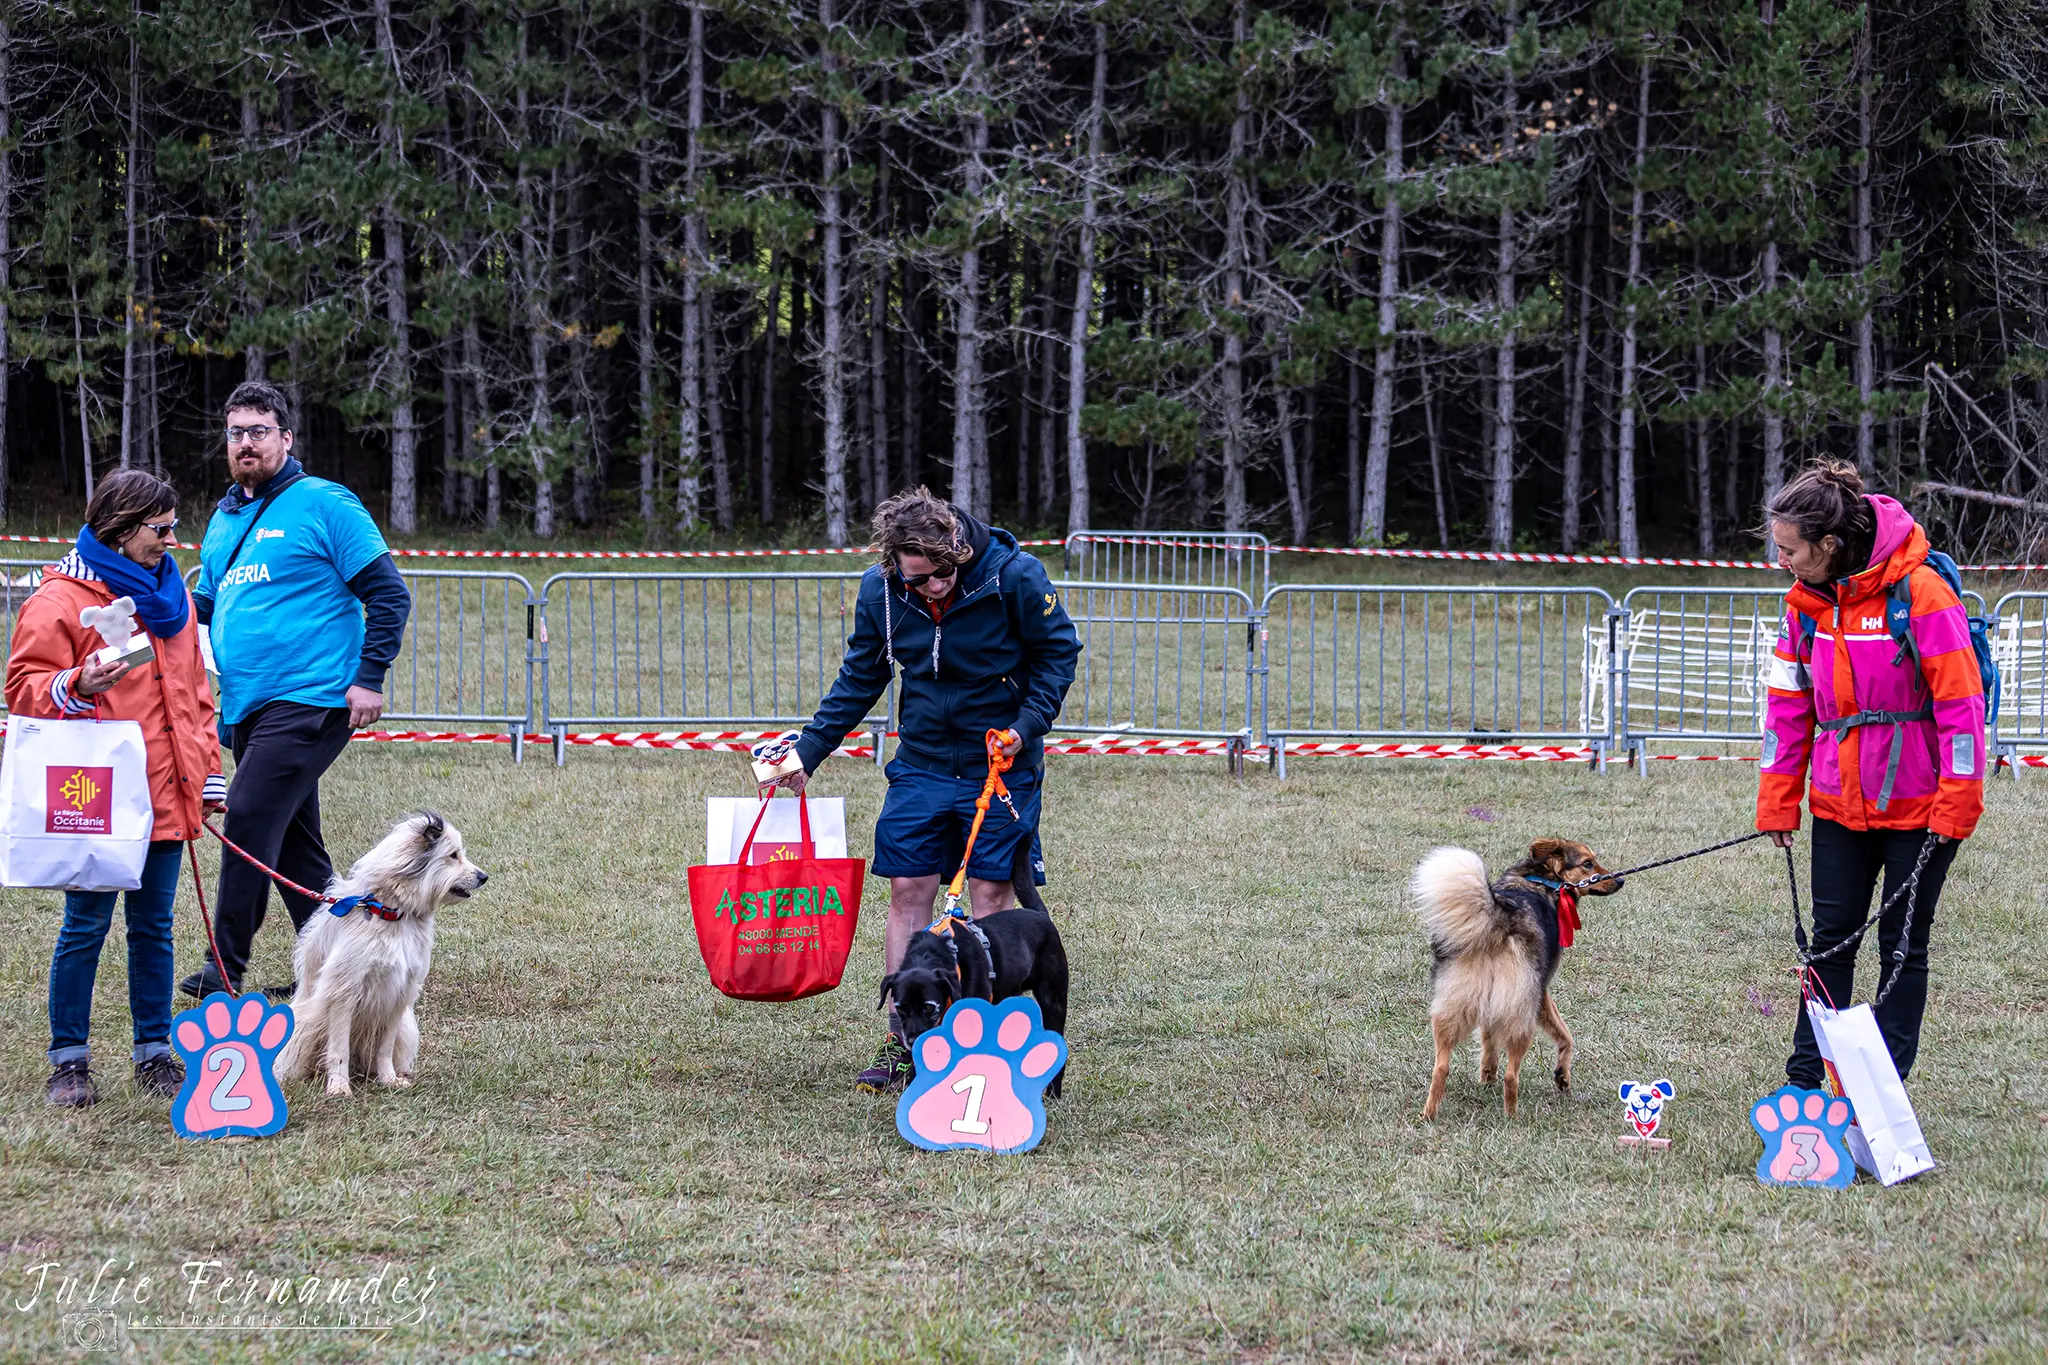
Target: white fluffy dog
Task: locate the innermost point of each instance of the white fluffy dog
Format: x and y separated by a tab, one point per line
360	973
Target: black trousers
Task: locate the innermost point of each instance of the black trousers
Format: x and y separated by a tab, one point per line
1844	871
281	751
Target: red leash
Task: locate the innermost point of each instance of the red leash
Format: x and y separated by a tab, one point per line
286	882
199	890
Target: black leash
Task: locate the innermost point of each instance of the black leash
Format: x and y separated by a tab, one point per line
1910	890
1666	862
1807	957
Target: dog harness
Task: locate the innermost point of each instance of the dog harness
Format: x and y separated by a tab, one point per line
1567	908
943	928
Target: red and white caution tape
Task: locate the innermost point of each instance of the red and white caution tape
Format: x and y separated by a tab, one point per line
413	553
1159	746
1356	551
1538	753
1498	556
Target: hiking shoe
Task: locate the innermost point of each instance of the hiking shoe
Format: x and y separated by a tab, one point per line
71	1086
282	993
205	982
161	1075
891	1069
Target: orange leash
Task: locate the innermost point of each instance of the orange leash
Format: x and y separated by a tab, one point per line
998	764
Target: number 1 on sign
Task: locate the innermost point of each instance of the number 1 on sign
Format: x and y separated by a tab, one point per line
971	1121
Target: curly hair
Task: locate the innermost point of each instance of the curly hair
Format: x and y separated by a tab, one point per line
917	522
1826	499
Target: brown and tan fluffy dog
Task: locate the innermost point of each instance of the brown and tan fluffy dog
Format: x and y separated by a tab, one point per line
1497	945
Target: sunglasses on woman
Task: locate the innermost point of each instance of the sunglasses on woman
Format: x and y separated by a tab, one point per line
918	580
943	566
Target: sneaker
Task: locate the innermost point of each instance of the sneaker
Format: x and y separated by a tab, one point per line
205	982
71	1086
891	1069
282	993
161	1075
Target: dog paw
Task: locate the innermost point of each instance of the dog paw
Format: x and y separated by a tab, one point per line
1563	1078
338	1085
230	1049
981	1078
1803	1143
401	1082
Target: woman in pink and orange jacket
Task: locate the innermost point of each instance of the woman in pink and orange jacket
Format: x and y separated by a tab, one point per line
1893	737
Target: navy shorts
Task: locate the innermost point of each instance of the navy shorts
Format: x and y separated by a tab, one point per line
925	817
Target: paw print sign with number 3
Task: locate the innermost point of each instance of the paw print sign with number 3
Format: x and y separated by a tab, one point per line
981	1078
1803	1144
230	1047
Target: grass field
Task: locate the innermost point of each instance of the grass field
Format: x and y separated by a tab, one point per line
604	1160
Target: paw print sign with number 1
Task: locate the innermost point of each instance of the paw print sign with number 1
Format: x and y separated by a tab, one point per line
981	1078
1803	1143
230	1048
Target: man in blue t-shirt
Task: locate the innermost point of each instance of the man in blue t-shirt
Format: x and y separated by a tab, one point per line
306	611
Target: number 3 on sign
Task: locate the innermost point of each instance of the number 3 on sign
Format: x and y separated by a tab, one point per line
971	1121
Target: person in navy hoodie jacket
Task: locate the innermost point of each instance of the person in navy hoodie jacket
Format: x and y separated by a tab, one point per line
983	643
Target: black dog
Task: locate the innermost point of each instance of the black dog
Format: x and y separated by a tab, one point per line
1006	954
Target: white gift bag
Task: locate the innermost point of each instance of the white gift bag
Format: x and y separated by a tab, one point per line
77	813
1885	1137
727	819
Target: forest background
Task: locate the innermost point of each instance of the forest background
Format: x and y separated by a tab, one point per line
1491	274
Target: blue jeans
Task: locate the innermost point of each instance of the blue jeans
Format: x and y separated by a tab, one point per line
87	917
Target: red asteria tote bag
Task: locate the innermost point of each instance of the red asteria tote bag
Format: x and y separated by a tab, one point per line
781	929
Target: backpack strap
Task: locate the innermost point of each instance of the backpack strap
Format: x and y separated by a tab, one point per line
1898	622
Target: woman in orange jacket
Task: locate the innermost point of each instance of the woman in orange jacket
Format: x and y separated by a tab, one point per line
1889	726
51	672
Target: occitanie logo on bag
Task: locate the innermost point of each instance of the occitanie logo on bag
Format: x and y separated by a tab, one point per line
81	801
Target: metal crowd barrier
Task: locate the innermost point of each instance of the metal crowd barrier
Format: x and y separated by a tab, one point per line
1693	662
1163	660
469	653
18	578
1198	559
1480	665
2019	645
662	650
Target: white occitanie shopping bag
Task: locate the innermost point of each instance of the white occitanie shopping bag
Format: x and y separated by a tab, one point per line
77	812
727	819
1885	1137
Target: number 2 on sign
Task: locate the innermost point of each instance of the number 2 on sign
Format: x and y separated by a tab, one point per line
971	1121
224	1100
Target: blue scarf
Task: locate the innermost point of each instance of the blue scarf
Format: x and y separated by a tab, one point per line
160	600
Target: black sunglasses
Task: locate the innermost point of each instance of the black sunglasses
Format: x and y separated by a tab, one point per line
918	580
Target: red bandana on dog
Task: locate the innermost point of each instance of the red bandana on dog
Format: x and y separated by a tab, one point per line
1567	916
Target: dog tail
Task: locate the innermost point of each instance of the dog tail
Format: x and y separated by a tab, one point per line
1024	878
1455	901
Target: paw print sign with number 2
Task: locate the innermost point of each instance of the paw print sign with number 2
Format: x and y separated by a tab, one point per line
981	1078
1803	1143
230	1047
